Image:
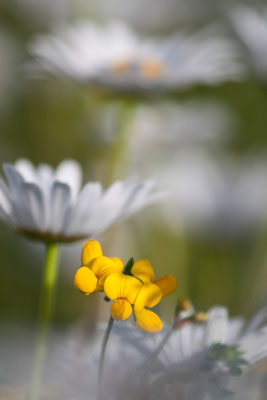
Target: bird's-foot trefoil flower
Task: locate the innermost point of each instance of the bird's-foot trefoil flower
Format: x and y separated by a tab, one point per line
137	293
90	277
132	289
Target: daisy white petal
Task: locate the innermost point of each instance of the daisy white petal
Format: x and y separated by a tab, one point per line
20	209
69	171
26	169
59	205
217	326
35	203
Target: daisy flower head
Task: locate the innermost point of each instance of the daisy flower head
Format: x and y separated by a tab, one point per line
250	27
115	58
197	356
50	205
199	360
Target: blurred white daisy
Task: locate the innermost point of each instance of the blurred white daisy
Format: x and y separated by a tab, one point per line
194	354
168	128
250	26
214	195
198	359
50	204
193	338
114	57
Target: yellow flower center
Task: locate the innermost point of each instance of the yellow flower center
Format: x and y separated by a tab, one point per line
151	69
121	67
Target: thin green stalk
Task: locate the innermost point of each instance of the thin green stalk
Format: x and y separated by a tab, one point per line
119	146
44	317
102	358
159	348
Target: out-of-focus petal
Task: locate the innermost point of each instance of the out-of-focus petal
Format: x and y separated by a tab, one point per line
148	321
143	270
167	284
69	172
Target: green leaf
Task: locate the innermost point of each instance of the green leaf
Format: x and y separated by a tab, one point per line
128	267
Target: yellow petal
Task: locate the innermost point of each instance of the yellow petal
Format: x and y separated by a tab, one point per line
104	266
148	296
167	284
121	309
143	270
120	286
91	249
118	262
148	321
85	280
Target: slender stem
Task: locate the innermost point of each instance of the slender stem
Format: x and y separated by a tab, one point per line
102	357
125	114
44	317
159	348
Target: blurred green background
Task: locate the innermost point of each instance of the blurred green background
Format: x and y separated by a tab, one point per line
49	120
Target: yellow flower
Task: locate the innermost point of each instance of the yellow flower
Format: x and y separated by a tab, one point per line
90	277
134	293
123	289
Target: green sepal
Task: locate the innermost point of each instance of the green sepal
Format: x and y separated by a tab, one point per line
128	267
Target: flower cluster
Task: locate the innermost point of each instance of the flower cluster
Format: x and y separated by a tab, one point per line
131	292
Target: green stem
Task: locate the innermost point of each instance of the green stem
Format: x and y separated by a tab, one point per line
44	317
102	357
125	111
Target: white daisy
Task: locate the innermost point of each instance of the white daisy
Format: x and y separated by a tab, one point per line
194	338
181	368
200	359
168	128
116	58
213	195
250	26
49	204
